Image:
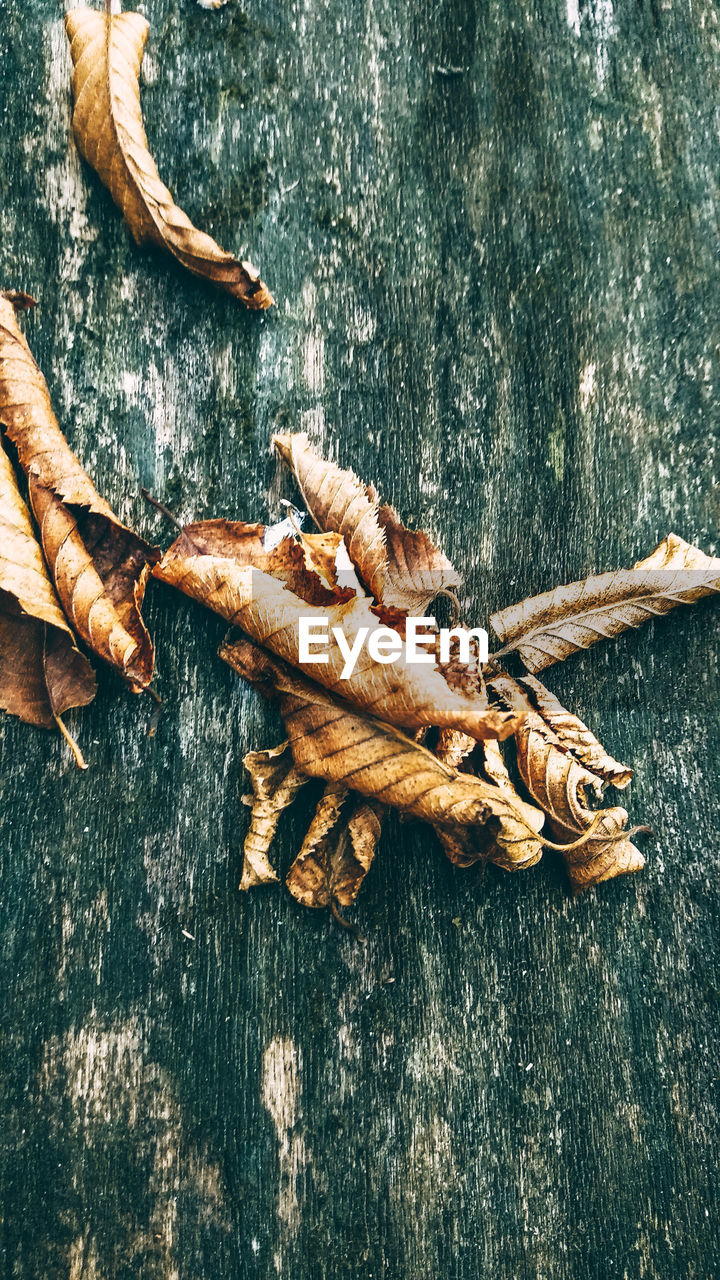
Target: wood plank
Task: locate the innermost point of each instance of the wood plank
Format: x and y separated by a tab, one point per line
491	232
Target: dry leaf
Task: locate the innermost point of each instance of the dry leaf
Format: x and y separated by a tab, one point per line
465	846
562	787
355	851
400	693
401	568
42	674
275	782
309	876
310	567
107	51
575	736
326	555
454	747
344	725
337	851
329	740
98	566
549	627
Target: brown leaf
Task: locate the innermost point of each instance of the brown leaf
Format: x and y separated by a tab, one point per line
98	566
454	747
107	52
549	627
337	851
575	736
465	846
401	568
42	674
326	555
330	740
275	782
561	787
253	546
402	693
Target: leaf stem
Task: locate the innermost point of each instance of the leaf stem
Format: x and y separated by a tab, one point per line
155	502
588	835
77	753
345	924
450	595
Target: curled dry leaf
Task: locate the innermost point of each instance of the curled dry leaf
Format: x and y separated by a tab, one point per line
275	783
98	566
337	851
330	740
561	786
493	770
402	694
549	627
575	736
465	846
42	674
107	51
295	562
454	747
400	567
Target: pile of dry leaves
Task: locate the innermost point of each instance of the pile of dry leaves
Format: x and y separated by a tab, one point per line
423	740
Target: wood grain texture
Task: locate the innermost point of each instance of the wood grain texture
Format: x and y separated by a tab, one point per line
490	231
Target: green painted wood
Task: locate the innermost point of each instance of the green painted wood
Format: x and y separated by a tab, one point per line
491	231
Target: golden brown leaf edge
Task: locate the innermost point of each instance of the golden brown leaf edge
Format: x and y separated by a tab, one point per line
107	51
99	567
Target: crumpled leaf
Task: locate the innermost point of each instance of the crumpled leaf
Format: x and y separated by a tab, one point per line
42	673
337	854
465	846
275	782
400	693
549	627
295	562
400	567
575	736
562	788
454	747
107	51
98	566
337	851
329	740
327	556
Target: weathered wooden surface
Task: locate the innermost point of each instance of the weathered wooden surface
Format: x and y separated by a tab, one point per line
491	233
